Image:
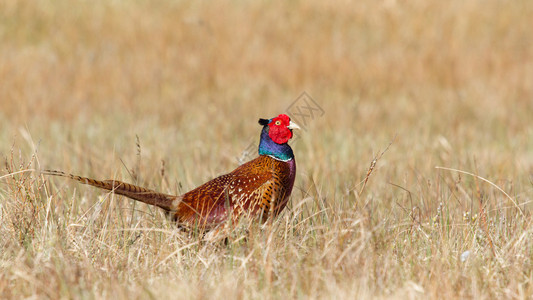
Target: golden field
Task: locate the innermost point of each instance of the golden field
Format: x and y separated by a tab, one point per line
167	94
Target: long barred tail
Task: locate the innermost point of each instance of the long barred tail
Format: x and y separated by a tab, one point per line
135	192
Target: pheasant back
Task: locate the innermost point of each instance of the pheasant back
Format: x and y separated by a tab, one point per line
258	188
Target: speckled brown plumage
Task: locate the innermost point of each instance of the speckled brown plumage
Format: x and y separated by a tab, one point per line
257	188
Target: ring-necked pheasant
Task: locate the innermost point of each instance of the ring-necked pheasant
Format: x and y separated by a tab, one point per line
256	189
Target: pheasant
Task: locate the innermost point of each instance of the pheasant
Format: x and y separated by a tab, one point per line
257	189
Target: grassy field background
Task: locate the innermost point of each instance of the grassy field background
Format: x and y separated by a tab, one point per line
167	94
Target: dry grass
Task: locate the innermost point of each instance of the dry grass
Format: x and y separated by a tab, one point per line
452	80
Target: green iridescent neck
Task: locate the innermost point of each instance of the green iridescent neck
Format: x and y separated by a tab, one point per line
278	151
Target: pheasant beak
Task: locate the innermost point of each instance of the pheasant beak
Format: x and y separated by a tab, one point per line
293	125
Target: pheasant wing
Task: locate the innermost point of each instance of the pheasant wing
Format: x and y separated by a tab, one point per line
209	204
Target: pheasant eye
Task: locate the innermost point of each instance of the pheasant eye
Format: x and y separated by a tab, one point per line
278	122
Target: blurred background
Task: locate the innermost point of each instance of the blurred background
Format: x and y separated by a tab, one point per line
84	83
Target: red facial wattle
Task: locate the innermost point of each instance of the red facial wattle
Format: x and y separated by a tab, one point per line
278	129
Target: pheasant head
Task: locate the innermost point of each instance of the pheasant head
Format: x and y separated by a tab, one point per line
274	137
